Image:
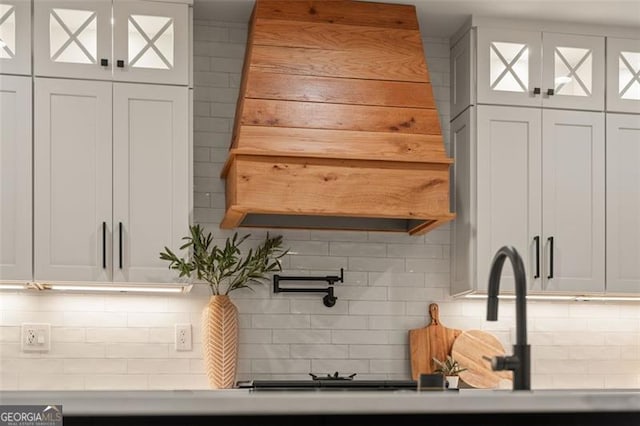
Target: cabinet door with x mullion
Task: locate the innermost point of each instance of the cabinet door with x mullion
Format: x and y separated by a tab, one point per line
150	42
72	39
573	71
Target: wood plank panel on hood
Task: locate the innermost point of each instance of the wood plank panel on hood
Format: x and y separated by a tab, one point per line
336	118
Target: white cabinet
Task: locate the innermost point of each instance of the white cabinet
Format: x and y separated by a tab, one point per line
111	179
623	203
534	180
15	178
540	69
15	37
151	171
623	75
573	170
135	41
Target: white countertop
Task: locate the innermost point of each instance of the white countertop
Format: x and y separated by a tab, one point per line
245	402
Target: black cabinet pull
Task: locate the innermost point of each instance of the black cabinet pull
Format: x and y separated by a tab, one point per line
551	92
537	241
104	62
550	239
536	90
104	245
120	245
120	63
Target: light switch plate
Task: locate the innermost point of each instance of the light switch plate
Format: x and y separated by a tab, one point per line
36	337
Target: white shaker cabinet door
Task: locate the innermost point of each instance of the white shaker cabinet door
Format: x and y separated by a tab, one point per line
72	180
151	176
151	42
15	178
15	37
72	39
623	203
509	190
574	201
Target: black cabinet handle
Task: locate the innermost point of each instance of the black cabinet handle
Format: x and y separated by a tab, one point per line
551	92
120	245
120	63
536	90
537	241
104	62
550	240
104	245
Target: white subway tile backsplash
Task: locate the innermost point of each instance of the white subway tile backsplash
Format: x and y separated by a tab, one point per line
9	334
280	321
281	366
54	381
357	307
346	249
394	366
158	366
136	350
77	350
379	352
361	293
247	335
359	337
341	322
156	319
375	264
119	381
419	251
348	236
117	335
389	279
177	381
301	336
318	262
269	351
319	351
428	265
40	365
344	367
414	294
94	366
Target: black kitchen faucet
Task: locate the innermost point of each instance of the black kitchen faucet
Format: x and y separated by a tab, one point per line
520	361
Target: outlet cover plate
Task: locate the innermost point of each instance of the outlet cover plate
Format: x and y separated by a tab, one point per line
36	337
183	337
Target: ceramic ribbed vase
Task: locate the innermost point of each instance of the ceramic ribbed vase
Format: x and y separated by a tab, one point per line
220	341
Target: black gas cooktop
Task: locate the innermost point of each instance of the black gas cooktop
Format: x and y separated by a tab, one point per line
329	382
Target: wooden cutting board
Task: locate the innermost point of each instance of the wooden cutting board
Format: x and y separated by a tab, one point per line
432	341
469	350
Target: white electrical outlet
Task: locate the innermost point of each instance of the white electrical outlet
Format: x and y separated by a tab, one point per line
36	337
183	337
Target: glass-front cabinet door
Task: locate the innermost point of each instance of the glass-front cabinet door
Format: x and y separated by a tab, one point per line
508	67
573	71
120	40
15	37
530	68
623	75
150	40
72	39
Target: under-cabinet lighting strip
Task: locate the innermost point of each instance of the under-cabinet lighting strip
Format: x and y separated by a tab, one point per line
561	297
99	288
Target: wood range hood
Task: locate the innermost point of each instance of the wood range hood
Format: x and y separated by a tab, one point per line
336	125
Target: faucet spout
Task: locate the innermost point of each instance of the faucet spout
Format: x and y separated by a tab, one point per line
520	362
